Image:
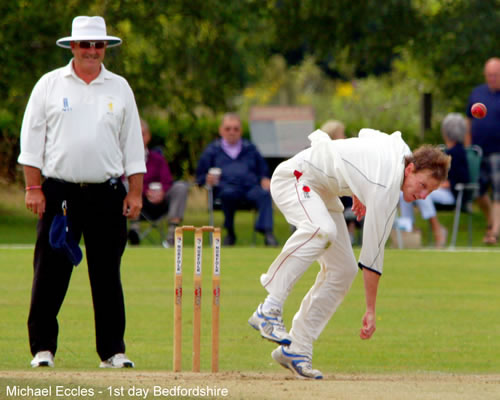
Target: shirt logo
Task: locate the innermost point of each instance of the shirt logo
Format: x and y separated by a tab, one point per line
66	106
306	192
110	107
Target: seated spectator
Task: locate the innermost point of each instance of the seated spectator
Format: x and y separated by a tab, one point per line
244	178
336	130
160	194
453	129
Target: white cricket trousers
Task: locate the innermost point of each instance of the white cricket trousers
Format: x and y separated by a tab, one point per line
320	235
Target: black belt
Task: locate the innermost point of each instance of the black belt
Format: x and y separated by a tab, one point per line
109	182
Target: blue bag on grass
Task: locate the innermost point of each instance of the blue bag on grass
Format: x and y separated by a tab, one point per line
60	238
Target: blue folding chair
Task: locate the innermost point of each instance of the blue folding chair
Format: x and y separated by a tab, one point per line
467	193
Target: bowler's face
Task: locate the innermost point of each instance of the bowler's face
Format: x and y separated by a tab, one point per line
230	130
87	60
418	185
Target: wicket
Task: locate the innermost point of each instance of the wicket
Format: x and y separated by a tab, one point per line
197	283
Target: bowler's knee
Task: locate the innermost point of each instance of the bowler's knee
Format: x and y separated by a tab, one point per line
327	232
343	278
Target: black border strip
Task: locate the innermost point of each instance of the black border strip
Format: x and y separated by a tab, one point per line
361	266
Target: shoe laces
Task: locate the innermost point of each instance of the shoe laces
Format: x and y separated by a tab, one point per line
305	364
277	319
306	368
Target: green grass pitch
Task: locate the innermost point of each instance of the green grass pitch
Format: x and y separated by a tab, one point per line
437	311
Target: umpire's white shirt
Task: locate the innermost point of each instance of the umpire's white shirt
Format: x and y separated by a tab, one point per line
82	132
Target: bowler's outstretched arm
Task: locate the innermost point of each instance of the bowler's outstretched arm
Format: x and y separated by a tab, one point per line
370	279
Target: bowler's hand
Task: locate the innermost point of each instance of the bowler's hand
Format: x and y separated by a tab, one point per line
358	208
368	328
132	205
35	201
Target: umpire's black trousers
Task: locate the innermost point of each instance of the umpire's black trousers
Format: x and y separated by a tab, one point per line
94	210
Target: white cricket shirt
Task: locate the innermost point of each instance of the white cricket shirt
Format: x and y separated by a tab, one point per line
82	132
370	166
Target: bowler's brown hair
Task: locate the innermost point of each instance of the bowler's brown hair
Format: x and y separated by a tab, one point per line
431	158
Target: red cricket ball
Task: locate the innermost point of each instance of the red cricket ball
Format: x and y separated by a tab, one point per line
478	110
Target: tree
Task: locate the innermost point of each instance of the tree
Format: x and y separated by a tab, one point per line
189	60
27	36
353	38
451	50
184	58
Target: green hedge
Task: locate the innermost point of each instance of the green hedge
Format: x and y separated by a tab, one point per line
9	145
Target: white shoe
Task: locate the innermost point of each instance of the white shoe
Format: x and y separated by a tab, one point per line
300	365
270	325
43	359
119	360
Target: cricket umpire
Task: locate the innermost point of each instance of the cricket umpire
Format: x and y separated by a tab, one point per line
80	133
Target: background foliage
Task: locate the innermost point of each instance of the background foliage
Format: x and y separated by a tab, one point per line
366	63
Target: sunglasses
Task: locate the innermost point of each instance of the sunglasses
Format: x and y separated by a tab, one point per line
88	45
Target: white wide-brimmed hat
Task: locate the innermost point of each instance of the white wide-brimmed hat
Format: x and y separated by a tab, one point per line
88	28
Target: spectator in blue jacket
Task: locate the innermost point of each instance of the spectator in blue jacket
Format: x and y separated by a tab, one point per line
486	134
244	178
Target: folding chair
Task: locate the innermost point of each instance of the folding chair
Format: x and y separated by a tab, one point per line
214	203
467	193
158	223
